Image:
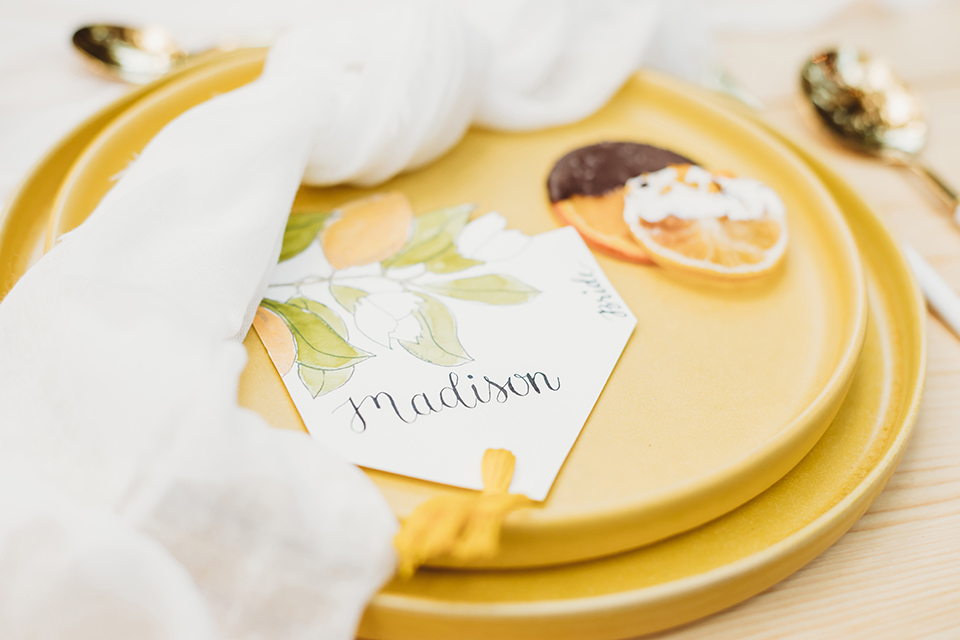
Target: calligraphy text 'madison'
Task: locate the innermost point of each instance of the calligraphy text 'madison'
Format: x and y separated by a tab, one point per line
471	394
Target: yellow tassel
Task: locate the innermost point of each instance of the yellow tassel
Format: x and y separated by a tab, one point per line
465	527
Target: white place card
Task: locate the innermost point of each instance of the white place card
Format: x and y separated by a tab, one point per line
464	339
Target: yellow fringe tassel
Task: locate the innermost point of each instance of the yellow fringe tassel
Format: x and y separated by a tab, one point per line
464	527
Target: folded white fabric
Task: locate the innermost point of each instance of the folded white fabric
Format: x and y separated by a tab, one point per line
136	498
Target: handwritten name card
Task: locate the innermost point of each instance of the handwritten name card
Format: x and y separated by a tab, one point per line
418	354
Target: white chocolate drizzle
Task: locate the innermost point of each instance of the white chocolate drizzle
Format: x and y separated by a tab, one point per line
698	194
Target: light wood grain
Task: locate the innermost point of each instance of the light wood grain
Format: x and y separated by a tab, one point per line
896	574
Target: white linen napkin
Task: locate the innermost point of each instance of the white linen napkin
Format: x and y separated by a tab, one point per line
137	499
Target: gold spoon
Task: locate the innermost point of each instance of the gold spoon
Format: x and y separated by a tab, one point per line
123	53
867	107
872	111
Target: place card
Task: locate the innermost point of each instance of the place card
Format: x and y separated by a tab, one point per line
412	344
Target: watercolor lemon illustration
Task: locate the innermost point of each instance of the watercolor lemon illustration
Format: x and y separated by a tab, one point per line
277	338
367	230
384	270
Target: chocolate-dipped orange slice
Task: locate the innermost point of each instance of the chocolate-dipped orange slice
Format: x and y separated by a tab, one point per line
586	189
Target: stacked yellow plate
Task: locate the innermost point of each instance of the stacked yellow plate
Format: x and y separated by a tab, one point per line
745	428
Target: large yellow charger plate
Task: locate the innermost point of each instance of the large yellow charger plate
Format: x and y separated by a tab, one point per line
722	388
686	576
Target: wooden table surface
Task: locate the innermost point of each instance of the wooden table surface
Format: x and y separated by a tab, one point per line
896	573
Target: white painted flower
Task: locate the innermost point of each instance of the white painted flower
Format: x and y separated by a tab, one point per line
387	316
488	240
408	329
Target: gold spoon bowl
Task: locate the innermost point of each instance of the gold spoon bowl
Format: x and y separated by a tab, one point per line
129	54
869	109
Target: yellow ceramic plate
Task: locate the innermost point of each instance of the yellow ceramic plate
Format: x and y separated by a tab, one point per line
722	388
688	576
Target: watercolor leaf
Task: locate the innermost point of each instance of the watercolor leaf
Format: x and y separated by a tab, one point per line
327	314
438	342
450	261
347	297
433	235
301	230
490	289
319	345
322	381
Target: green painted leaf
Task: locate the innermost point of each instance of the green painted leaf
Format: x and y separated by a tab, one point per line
321	382
491	289
326	314
450	261
438	342
347	296
319	345
301	230
433	234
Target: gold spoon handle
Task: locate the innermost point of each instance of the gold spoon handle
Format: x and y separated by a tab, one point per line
944	191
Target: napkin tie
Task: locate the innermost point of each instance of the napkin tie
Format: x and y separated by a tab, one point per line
463	526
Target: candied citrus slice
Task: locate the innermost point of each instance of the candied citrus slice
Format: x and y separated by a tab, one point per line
599	220
715	246
711	224
586	189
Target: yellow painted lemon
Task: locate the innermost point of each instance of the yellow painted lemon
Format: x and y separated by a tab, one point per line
367	230
277	339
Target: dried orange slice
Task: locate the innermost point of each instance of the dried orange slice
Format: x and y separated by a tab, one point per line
599	220
585	187
708	223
